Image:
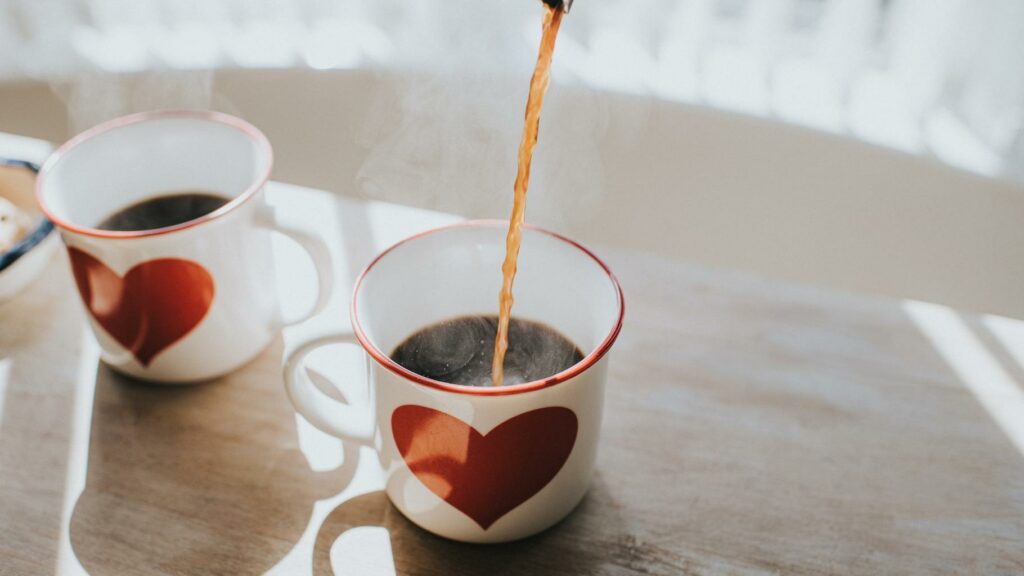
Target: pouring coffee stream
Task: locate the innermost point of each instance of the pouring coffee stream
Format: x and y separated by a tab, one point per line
535	102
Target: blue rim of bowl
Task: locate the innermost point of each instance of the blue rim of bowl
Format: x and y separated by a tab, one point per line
33	238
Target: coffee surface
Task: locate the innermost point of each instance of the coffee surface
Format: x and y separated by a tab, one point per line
163	211
460	351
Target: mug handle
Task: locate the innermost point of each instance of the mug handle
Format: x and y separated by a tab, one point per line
321	404
317	249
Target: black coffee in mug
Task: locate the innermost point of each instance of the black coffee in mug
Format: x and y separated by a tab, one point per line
461	350
163	211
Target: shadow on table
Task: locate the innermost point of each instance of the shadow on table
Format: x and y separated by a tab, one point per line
570	547
196	479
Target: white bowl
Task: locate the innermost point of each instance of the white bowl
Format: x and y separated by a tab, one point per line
27	259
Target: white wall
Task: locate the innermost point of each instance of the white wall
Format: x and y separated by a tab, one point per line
685	181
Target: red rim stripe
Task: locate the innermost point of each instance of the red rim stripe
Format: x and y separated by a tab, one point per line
220	118
578	368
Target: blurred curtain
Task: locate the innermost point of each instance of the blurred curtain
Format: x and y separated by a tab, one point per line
935	77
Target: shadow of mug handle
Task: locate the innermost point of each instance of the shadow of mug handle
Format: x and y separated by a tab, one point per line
317	249
323	408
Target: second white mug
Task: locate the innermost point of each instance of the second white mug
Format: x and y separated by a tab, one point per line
186	302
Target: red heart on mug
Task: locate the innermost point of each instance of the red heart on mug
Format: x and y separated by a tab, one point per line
155	304
484	476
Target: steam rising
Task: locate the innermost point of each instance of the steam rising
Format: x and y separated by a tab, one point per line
95	97
460	351
442	121
449	143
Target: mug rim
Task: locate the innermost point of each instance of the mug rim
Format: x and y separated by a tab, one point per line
567	374
228	120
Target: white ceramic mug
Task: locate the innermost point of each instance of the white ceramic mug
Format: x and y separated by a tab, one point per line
187	302
476	464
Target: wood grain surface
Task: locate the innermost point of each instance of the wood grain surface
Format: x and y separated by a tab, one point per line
751	427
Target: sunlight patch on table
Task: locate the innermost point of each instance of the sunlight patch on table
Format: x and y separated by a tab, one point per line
368	478
978	369
5	371
78	450
1010	333
323	452
363	550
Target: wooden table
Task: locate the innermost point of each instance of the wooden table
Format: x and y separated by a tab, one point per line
751	427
